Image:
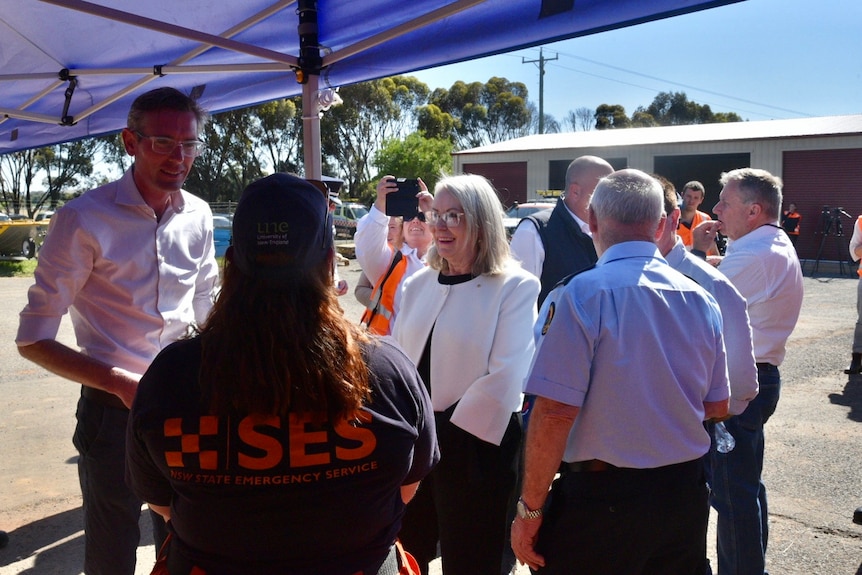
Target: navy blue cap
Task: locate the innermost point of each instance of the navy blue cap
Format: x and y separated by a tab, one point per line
281	228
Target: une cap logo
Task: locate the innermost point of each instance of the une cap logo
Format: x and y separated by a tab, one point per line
273	227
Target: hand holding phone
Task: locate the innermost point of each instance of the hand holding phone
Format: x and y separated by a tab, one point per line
404	201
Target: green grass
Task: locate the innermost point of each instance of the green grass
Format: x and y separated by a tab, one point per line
24	268
11	269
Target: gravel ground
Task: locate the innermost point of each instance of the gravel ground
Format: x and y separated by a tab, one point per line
813	468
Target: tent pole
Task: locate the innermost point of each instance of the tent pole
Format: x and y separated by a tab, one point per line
311	128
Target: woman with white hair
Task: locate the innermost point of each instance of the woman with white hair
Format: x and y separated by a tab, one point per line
466	321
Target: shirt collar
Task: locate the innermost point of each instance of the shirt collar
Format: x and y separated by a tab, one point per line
129	195
756	235
632	249
676	254
585	227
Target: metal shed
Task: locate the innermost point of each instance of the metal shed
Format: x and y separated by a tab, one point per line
819	159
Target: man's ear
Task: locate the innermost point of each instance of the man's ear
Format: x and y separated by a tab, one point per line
594	222
754	210
130	141
661	225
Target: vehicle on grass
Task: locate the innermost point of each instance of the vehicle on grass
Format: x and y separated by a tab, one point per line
17	237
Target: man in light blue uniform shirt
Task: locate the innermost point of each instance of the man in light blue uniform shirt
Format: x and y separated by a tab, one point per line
631	363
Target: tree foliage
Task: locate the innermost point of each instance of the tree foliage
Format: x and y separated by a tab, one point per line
278	134
229	162
66	166
581	119
17	171
372	113
478	114
666	109
611	116
414	156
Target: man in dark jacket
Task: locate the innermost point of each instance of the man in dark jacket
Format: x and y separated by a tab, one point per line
556	243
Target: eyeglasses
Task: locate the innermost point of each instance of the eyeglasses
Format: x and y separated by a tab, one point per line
163	145
451	218
420	216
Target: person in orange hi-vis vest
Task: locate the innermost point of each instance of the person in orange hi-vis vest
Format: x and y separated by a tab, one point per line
381	263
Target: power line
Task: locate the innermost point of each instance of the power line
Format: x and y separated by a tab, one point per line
647	88
687	86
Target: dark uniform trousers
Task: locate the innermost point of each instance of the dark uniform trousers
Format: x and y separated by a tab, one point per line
626	522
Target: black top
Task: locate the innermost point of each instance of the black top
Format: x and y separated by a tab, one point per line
567	249
265	494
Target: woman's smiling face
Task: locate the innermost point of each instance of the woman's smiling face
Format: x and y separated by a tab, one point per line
417	234
453	243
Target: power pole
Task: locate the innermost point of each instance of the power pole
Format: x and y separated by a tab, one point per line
541	61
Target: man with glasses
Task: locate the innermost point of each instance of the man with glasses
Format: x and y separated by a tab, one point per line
135	264
761	263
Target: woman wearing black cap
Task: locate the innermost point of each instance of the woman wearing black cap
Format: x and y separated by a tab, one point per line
281	438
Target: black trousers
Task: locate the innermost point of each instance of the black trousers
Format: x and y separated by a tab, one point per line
627	522
463	502
111	510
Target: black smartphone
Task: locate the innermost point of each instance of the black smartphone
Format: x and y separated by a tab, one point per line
403	202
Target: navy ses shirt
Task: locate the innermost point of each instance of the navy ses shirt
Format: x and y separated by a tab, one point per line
269	494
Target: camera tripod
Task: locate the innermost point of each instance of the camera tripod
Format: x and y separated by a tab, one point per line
830	225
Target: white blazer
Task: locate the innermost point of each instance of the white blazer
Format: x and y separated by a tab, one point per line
481	346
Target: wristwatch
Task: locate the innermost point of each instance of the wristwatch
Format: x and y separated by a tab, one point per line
525	512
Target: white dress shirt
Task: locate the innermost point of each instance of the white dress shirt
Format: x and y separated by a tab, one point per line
764	267
133	284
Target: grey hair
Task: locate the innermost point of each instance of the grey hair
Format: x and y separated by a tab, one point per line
757	186
628	197
482	222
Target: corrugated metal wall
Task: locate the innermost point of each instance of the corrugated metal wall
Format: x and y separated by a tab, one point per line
817	178
510	179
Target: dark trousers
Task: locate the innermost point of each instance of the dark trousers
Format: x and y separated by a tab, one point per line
111	510
626	522
463	502
738	493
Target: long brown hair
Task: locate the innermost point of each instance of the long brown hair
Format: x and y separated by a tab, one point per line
278	348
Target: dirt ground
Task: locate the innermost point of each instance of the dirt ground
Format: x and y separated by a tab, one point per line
813	467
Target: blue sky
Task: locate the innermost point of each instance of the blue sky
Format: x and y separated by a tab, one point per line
763	59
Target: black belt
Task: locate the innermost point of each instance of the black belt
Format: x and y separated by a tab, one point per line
590	465
103	398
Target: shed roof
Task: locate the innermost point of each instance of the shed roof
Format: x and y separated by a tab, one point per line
761	130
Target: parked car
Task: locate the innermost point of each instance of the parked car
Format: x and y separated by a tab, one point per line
345	218
222	229
517	212
17	237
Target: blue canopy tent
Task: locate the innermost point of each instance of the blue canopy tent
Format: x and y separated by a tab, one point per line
69	69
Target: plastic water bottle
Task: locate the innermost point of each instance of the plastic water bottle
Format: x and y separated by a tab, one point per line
724	441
